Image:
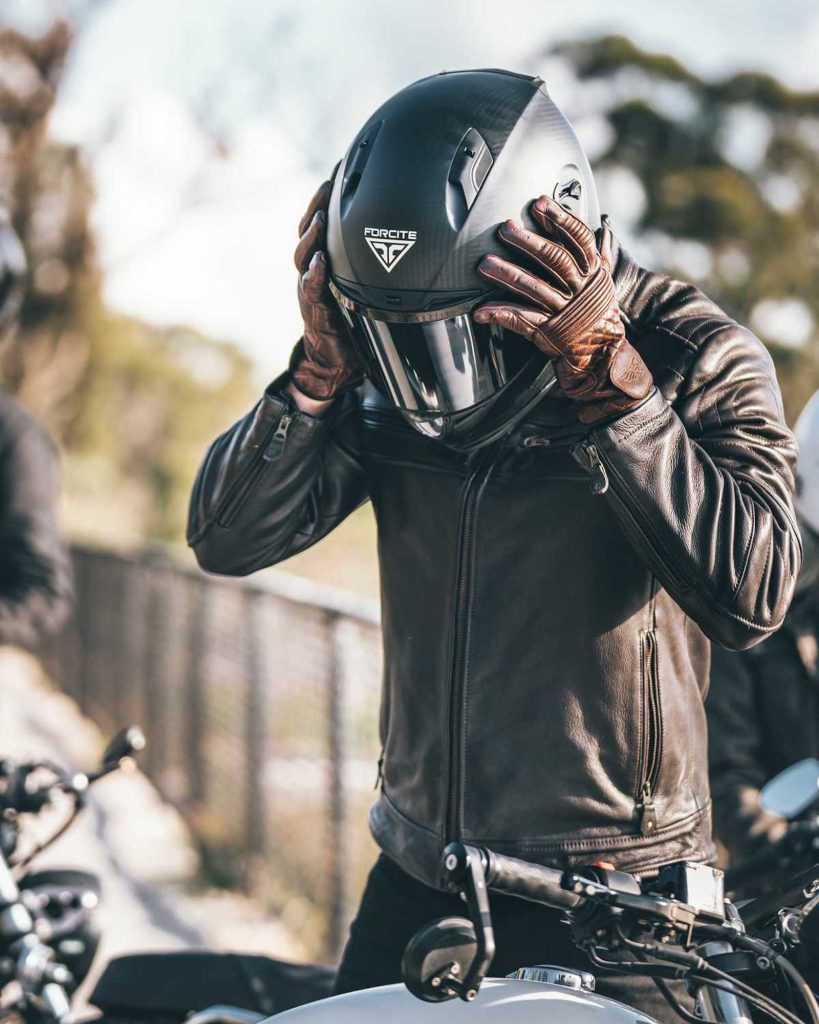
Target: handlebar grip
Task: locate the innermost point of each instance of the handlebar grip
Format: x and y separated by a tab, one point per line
529	881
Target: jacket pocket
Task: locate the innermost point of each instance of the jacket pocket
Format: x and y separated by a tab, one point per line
651	732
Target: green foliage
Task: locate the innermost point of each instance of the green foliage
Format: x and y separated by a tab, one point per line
133	407
757	215
146	407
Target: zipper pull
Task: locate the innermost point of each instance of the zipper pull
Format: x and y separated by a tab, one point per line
599	476
379	779
275	449
648	812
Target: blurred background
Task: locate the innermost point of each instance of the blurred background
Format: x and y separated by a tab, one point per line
157	156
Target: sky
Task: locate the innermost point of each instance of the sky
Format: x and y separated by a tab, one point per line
208	126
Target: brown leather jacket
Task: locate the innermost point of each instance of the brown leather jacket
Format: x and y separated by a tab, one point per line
548	604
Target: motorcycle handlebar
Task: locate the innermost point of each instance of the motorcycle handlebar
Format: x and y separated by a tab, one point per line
529	881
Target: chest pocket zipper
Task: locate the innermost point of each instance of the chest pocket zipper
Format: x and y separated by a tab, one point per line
651	751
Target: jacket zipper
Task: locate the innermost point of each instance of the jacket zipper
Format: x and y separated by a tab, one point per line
472	492
652	745
601	476
269	450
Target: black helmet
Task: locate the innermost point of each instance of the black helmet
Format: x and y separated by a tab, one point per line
416	203
12	274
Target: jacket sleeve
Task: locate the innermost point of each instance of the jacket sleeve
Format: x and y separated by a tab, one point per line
704	489
735	752
35	570
275	483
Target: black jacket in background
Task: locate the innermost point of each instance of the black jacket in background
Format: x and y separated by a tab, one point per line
547	605
763	715
35	571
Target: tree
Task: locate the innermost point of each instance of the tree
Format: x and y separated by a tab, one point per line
728	172
133	406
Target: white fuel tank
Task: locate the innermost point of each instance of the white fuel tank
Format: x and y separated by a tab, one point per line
500	1001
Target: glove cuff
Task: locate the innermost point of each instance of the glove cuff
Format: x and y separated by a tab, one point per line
321	383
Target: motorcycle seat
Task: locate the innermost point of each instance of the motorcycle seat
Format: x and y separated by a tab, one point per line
173	985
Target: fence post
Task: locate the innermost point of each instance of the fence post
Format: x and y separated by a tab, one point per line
338	847
157	615
256	738
194	686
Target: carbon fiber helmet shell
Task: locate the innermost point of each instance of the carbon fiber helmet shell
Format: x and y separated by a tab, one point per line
402	183
416	203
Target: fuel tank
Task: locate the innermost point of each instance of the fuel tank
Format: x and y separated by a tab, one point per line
499	1001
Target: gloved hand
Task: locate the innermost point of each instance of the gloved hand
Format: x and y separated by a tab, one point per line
569	310
323	363
749	828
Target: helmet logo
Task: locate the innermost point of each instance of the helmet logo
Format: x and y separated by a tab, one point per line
389	245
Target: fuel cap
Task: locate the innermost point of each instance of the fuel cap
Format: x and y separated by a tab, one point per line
551	975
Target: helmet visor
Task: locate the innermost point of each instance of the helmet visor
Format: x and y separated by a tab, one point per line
441	366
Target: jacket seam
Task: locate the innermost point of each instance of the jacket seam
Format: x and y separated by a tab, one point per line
405	817
748	548
609	839
641	427
697	587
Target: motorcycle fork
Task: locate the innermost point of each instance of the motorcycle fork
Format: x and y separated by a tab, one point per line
714	1004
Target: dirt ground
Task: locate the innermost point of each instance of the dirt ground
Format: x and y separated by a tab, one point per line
153	898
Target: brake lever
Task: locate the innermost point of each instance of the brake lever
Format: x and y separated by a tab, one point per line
650	910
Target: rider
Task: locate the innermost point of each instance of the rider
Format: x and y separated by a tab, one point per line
35	571
763	705
553	559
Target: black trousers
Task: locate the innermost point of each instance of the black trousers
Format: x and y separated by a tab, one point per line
394	906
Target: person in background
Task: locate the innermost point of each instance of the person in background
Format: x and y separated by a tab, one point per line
35	569
763	705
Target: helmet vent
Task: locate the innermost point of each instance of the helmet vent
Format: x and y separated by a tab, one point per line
467	173
356	162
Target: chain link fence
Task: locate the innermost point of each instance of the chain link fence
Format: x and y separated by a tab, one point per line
260	703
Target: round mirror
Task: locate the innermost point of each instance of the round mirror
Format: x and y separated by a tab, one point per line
792	791
447	945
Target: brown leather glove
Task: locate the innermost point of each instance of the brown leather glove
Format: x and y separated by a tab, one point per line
569	310
323	363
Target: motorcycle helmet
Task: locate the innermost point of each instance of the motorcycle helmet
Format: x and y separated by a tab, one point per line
807	467
12	274
416	203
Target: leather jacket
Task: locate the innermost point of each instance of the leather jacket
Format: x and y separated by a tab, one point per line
763	715
36	581
547	604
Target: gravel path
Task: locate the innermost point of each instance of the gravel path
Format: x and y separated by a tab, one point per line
152	899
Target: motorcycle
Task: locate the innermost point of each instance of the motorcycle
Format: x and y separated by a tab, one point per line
739	963
49	932
676	926
48	928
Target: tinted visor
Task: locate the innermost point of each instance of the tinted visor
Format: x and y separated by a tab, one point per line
441	366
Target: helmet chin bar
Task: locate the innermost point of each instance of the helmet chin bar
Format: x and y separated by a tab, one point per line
429	426
454	430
